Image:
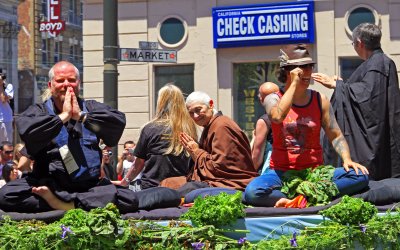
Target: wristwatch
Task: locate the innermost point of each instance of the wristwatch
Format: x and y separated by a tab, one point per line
127	179
82	116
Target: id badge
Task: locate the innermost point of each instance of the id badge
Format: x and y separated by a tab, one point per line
68	159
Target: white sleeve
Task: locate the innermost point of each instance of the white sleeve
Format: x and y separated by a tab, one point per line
10	91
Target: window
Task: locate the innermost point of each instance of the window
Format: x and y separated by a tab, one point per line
71	53
44	8
45	53
182	76
172	32
57	52
348	66
247	79
81	10
360	14
73	15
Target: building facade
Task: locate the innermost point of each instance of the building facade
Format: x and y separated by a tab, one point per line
230	74
39	50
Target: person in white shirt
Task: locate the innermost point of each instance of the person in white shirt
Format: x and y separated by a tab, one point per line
6	114
6	154
126	160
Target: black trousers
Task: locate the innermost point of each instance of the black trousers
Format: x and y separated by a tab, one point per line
17	196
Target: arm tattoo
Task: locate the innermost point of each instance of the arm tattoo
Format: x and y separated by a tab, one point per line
280	111
340	146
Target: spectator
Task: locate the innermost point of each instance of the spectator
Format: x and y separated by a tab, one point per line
367	106
10	172
126	160
298	114
24	164
6	115
107	165
262	138
6	154
158	151
9	90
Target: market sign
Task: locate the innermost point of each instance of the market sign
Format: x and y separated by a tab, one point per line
54	25
267	24
148	55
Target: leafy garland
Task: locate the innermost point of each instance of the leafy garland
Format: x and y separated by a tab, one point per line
102	228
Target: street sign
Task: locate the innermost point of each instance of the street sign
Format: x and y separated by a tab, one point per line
148	45
148	55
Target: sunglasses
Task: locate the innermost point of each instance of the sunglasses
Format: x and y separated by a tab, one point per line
305	66
9	152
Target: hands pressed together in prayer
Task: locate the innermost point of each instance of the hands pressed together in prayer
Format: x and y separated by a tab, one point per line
71	109
188	143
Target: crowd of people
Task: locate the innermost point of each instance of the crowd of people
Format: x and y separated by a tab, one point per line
67	162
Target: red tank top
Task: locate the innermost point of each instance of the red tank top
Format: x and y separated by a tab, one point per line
297	139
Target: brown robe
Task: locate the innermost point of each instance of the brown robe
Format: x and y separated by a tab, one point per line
224	156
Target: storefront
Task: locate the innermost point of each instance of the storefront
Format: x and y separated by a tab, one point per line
227	48
259	25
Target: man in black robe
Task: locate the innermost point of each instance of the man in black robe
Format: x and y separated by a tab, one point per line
367	106
62	136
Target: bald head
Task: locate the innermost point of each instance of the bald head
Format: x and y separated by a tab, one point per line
265	89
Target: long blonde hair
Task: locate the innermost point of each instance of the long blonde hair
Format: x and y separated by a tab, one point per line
171	111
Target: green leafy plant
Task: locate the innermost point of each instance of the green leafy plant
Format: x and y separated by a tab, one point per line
222	209
315	184
349	210
103	228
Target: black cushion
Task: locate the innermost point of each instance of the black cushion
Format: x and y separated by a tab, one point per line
158	197
383	192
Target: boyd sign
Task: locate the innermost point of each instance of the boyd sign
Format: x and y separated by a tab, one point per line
51	26
54	25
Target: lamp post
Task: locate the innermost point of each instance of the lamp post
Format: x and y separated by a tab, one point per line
110	56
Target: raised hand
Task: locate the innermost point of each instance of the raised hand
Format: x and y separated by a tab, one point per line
327	81
295	75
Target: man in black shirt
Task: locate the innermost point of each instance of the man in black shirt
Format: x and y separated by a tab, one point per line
62	137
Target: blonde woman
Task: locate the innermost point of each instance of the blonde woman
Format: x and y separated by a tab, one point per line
158	151
24	164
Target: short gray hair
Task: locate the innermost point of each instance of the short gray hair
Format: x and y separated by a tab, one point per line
51	71
198	97
370	34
